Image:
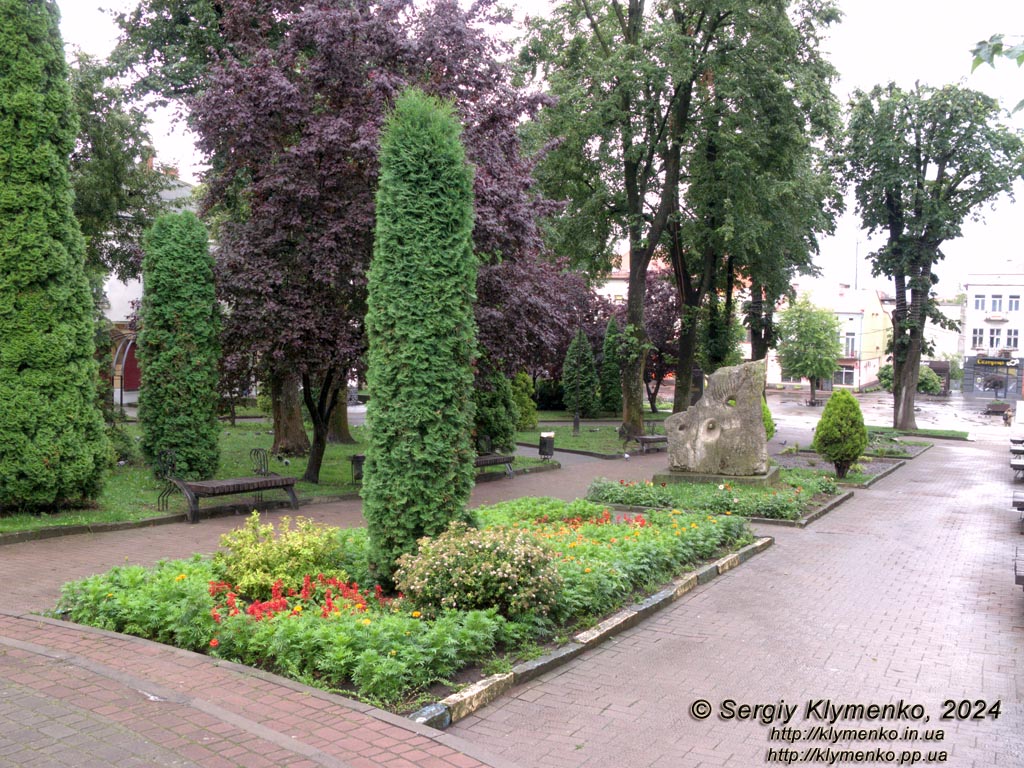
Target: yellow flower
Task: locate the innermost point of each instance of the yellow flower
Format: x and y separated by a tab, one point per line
297	609
110	594
586	570
728	512
693	525
365	622
180	577
415	614
392	653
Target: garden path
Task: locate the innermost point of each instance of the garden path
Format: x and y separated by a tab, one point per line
916	603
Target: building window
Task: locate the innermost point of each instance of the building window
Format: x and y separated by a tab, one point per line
993	337
1012	339
979	302
1013	304
844	376
977	338
850	345
997	303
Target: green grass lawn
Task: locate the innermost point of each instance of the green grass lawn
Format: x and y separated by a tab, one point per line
131	491
953	434
665	410
595	439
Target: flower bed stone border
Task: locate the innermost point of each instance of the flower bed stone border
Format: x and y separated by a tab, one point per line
453	708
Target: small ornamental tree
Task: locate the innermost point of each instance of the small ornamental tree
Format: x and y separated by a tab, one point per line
419	460
841	436
52	444
808	341
178	347
579	377
611	369
526	407
496	412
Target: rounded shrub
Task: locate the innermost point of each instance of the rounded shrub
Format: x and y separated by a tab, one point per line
928	381
465	568
766	417
522	393
496	411
840	435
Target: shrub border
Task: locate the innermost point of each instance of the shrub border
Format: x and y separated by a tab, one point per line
801	522
453	708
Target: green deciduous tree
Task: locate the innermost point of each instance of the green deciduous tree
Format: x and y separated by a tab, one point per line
579	378
611	369
923	161
808	343
841	436
52	446
419	461
688	129
178	347
986	51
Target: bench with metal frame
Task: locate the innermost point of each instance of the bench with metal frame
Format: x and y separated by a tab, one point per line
1018	568
265	480
649	440
485	458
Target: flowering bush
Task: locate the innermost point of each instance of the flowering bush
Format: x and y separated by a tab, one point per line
466	568
255	558
537	561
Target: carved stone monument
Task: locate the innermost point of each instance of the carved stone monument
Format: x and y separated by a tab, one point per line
723	433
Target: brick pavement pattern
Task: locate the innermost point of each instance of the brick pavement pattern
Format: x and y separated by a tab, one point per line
905	592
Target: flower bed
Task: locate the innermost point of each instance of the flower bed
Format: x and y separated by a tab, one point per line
321	627
790	501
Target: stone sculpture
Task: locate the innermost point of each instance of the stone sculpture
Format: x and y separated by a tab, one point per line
723	433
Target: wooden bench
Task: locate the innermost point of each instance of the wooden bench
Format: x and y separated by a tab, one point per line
265	480
1017	465
1018	568
649	440
996	409
486	457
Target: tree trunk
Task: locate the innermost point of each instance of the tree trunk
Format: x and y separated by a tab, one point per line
636	354
904	386
759	325
290	438
320	411
338	431
687	356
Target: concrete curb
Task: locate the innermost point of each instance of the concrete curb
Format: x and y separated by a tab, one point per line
442	714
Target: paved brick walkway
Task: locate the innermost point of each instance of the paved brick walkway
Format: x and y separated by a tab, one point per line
904	593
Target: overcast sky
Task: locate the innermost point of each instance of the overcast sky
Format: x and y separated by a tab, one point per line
878	41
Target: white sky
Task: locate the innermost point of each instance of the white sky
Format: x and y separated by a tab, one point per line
878	41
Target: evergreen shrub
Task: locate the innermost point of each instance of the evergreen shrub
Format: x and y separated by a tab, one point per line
841	436
522	393
496	412
579	377
421	287
611	369
179	347
766	417
53	449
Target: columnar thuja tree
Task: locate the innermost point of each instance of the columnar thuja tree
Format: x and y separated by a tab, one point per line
178	347
419	461
611	369
52	445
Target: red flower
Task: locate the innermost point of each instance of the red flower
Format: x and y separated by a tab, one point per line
214	643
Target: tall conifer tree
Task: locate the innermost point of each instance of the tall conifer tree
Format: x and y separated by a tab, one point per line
419	463
179	347
52	445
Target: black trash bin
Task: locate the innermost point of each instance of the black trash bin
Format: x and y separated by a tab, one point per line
547	445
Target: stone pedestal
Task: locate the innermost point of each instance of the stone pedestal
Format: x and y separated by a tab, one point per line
770	478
